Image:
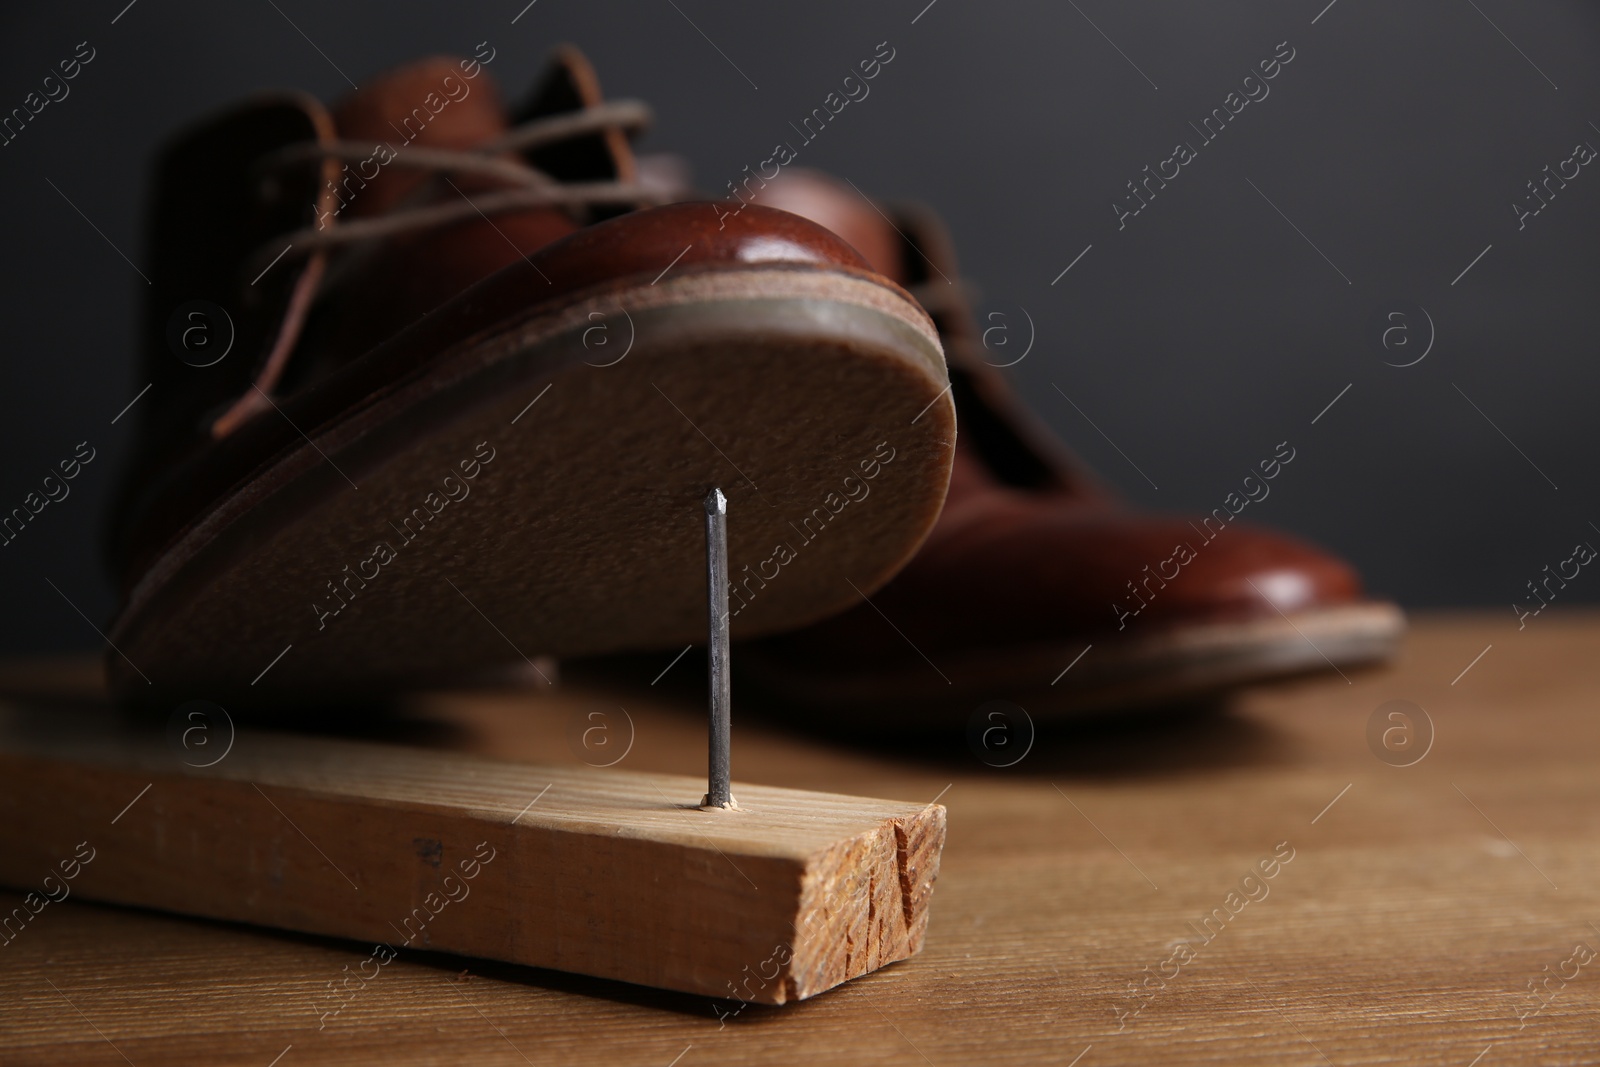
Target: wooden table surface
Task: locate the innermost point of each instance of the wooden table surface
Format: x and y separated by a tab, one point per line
1421	905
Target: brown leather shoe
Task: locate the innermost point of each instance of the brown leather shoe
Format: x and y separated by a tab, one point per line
1037	585
476	393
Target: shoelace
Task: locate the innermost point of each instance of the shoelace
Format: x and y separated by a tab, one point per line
531	188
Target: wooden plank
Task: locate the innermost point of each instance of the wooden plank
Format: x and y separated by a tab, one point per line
607	873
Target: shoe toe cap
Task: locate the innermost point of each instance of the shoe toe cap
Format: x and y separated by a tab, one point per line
1069	572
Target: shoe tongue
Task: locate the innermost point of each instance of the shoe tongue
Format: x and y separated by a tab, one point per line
570	84
431	103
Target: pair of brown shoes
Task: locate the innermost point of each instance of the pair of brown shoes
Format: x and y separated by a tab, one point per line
438	386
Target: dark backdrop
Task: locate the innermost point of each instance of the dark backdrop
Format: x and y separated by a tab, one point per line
1218	321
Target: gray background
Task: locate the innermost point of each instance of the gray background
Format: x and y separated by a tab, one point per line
1196	338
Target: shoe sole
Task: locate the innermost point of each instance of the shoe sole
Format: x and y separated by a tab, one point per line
539	490
1116	675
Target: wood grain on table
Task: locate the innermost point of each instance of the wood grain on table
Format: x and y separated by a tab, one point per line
1410	913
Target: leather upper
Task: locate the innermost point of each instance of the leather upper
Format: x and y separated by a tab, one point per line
1030	547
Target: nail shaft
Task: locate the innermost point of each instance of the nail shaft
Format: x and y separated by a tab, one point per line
719	787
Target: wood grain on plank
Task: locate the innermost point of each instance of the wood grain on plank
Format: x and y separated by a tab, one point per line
606	873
